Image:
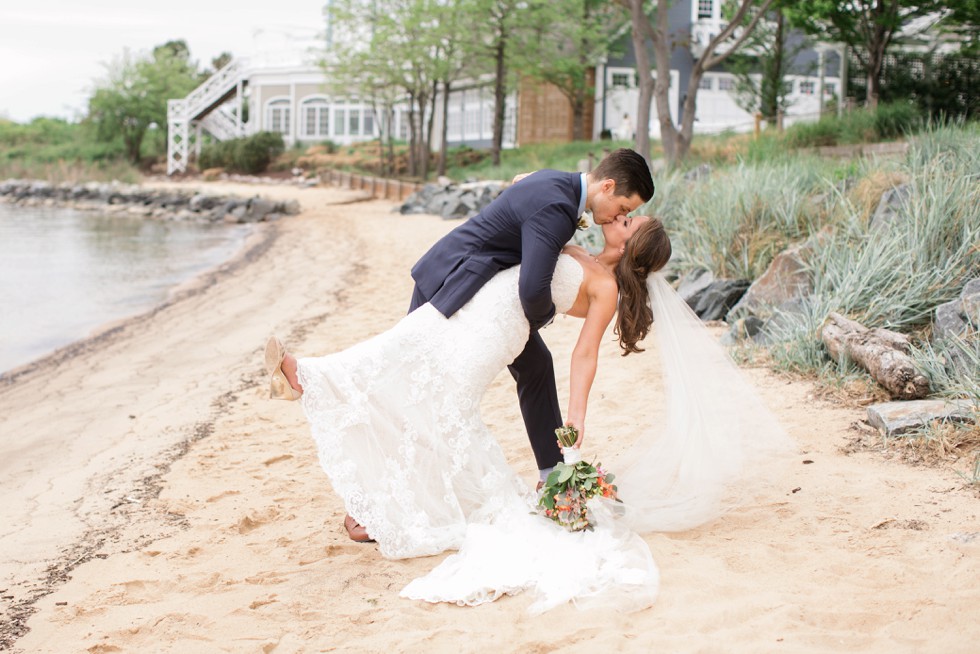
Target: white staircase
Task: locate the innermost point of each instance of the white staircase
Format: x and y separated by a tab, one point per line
202	109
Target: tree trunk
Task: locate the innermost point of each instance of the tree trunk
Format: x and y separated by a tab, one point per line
881	352
412	136
645	80
444	146
427	145
578	116
772	82
500	99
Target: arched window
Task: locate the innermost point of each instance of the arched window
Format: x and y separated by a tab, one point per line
277	116
316	118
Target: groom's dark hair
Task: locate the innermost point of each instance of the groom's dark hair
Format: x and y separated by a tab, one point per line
630	172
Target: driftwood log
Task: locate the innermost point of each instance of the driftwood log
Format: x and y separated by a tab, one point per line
883	353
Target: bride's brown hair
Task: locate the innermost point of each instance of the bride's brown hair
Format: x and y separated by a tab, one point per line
647	251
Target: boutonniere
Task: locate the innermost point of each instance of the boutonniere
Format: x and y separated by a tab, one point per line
583	223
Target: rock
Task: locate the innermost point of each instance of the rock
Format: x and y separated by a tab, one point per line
782	320
291	208
693	284
701	172
452	201
742	329
256	209
889	206
201	202
894	418
719	298
948	321
786	278
970	301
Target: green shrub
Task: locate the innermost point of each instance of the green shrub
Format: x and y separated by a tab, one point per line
896	119
826	131
248	155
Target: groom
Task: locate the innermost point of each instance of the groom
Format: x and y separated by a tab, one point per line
528	224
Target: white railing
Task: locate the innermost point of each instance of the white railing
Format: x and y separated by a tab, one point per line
197	109
221	125
216	86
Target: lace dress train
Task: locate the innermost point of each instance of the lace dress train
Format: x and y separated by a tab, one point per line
397	424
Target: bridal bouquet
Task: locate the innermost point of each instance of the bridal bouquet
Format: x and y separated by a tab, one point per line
569	487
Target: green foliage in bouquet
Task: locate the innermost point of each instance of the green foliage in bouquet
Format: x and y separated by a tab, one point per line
569	487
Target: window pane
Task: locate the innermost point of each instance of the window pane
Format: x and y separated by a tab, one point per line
324	114
338	125
369	123
355	122
704	8
310	122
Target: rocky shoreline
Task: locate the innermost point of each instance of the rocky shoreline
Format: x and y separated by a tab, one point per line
136	200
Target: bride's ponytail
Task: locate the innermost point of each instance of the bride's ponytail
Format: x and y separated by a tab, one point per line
647	251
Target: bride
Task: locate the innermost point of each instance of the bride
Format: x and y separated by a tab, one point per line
397	424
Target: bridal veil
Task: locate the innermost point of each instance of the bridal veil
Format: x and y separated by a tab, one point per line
714	448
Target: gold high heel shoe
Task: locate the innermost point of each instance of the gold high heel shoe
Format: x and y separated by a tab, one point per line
279	388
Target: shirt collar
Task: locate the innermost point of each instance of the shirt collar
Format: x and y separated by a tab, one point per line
585	188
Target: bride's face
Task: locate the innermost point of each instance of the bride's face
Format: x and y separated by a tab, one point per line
618	231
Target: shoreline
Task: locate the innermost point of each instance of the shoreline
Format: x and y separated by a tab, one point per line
258	240
219	530
128	476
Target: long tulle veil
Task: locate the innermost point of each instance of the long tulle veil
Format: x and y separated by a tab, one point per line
713	450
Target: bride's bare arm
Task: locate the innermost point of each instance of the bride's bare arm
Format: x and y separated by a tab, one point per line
602	307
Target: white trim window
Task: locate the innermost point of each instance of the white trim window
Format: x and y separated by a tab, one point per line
277	116
367	122
340	119
726	83
316	118
808	87
705	9
706	83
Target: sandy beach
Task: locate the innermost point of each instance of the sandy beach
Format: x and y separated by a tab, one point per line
155	499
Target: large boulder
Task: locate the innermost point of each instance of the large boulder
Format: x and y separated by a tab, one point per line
693	284
719	298
787	278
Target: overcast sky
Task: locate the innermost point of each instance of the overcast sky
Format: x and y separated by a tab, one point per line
52	51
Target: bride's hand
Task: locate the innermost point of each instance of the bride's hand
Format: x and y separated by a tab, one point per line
580	427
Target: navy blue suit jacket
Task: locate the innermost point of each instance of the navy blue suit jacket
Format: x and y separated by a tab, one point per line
527	224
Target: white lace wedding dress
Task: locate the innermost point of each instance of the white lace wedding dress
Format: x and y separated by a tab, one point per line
397	424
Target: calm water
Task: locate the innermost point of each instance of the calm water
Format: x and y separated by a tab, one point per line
64	272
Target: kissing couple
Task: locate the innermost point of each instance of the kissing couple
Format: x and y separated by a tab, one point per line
396	418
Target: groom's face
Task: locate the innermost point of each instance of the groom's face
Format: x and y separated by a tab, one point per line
607	206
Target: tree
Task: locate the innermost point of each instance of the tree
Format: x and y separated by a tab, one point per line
760	79
388	51
504	38
867	27
132	98
655	30
571	39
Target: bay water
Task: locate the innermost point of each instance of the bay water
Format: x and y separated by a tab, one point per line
65	272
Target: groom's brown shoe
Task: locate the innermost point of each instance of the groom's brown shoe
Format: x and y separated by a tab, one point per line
356	531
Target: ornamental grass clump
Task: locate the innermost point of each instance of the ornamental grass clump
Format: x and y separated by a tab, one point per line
736	220
893	273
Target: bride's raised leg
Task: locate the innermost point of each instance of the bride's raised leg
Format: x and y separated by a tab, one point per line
281	366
